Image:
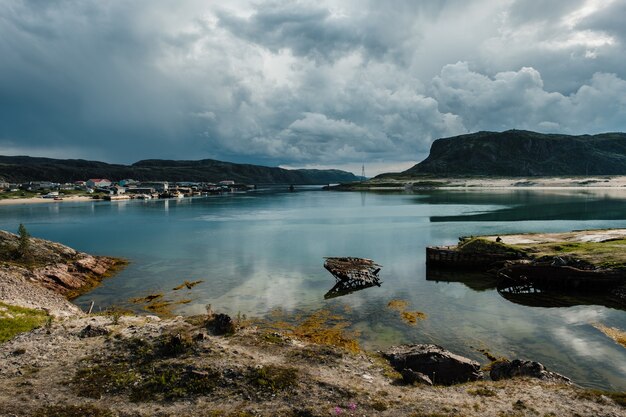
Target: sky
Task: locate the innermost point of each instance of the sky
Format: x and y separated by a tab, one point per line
323	84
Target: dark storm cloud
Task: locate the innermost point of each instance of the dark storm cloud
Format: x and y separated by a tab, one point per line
522	12
298	83
77	74
609	19
321	33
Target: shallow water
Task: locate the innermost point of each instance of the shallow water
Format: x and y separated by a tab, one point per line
261	251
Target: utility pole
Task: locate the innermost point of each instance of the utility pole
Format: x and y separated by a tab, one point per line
363	173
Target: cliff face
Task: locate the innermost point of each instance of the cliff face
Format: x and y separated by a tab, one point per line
23	168
523	153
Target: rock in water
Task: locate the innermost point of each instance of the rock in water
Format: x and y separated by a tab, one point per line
510	369
441	366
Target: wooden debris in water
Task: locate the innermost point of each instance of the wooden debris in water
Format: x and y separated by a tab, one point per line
353	270
342	288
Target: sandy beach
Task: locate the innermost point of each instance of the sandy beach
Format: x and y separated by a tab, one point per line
541	182
534	183
39	200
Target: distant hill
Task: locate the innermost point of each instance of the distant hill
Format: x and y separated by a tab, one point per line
24	168
522	153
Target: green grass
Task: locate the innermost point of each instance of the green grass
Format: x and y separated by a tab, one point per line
143	374
608	254
17	194
481	245
30	194
16	320
273	378
165	369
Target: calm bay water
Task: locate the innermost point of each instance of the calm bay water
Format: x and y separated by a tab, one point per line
261	251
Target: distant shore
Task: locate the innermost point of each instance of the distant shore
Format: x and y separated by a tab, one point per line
39	200
461	183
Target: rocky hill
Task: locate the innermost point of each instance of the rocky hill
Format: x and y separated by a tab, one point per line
522	153
24	168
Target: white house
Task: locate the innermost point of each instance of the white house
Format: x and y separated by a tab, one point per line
117	190
160	186
98	183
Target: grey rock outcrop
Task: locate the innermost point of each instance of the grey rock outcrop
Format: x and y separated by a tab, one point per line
54	266
409	376
439	365
518	368
49	274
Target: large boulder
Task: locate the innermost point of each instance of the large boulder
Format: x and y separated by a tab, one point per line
510	369
439	365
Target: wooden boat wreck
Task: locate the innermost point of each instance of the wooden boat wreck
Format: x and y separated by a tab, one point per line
342	288
352	274
353	271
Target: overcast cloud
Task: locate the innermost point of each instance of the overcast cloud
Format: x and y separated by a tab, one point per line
302	83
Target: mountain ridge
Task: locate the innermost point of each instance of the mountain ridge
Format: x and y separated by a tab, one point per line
518	153
26	168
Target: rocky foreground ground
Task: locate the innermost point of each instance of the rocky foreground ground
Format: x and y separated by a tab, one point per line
144	366
111	364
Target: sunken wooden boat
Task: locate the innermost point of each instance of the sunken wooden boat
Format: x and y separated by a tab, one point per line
342	288
353	271
552	276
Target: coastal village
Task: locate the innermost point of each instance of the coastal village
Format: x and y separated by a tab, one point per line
126	189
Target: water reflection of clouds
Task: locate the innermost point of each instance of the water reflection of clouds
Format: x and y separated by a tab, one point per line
593	350
264	290
407	212
453	290
582	315
251	216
